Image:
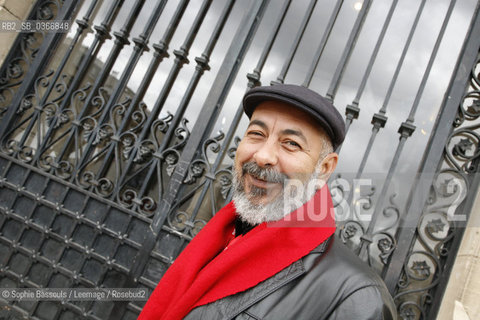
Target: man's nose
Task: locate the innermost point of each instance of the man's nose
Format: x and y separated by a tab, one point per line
267	154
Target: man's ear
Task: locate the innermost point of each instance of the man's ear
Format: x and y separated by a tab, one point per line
327	166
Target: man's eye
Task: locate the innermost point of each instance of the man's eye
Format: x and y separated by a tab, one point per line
292	144
255	133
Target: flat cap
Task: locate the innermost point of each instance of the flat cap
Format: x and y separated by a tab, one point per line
303	98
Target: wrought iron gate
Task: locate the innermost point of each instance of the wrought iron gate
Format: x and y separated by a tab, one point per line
103	180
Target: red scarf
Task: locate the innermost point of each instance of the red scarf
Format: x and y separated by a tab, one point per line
208	270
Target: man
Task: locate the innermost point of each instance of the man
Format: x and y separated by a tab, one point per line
271	253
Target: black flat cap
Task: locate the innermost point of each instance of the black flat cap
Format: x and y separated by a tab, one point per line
303	98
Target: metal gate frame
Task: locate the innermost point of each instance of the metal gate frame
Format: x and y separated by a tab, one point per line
453	119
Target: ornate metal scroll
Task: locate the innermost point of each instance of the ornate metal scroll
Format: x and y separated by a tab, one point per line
380	239
444	218
23	53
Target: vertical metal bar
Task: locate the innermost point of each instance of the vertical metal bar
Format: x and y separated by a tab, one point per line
347	52
202	65
405	132
435	148
14	49
402	58
139	94
184	53
296	43
323	43
140	46
160	53
406	129
181	57
120	41
82	25
352	111
426	74
15	54
37	67
379	119
102	33
254	77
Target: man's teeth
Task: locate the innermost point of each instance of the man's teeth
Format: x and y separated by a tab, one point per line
264	180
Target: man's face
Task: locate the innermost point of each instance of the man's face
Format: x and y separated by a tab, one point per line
283	139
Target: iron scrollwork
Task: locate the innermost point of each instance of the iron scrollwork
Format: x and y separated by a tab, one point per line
27	48
353	206
441	222
204	176
152	158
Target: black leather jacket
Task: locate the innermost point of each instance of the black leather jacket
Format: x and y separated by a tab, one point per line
329	283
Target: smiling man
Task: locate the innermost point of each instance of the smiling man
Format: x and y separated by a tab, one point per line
271	253
282	145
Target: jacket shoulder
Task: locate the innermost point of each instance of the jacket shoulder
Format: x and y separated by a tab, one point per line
335	284
346	284
340	261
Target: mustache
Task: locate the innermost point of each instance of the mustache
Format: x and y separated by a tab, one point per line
266	174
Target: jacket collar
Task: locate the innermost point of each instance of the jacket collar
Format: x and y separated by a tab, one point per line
231	306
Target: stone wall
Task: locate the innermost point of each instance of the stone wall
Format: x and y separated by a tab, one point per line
461	299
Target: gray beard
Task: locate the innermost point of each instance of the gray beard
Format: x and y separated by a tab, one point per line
292	197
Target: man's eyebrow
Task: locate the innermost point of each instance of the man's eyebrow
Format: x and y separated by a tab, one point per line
259	123
295	133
